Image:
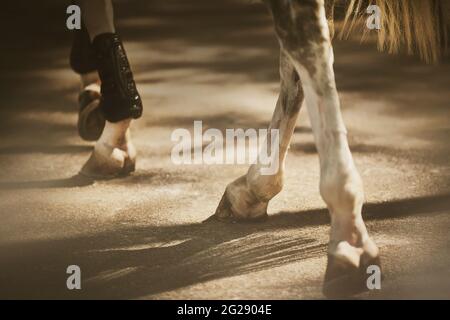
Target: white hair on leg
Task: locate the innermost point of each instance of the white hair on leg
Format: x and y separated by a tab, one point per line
303	31
248	196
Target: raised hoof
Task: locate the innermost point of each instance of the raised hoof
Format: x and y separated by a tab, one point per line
226	213
113	164
343	279
91	120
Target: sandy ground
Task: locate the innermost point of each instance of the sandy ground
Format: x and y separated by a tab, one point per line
142	236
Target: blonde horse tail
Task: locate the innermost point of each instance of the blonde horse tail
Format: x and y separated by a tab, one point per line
416	26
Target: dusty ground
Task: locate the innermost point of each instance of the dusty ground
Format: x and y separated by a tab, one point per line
142	236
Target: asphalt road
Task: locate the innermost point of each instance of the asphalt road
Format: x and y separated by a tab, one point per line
142	236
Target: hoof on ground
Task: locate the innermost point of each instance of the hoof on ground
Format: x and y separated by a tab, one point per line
108	163
344	280
225	212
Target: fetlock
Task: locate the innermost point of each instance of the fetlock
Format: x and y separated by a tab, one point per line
264	187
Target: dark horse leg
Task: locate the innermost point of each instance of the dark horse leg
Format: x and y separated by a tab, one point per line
99	56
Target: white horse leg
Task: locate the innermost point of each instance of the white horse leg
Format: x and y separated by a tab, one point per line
114	153
303	32
248	196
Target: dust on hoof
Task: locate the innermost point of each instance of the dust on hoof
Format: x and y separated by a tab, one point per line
91	120
113	165
343	280
225	213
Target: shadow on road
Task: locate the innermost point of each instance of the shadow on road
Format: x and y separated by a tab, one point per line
141	261
72	182
47	149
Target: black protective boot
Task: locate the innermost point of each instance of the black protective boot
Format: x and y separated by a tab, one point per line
119	97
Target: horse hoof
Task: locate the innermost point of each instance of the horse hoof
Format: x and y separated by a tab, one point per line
343	279
226	213
108	163
91	120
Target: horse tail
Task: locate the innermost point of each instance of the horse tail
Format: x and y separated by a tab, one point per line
418	26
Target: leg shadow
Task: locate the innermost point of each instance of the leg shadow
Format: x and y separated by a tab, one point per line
45	149
72	182
141	261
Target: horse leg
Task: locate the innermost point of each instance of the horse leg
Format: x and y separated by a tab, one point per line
114	153
303	32
248	196
91	120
